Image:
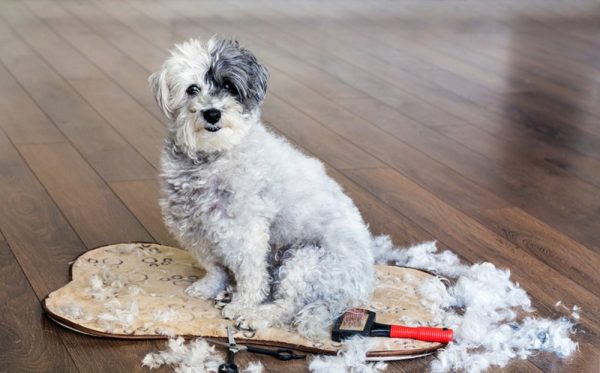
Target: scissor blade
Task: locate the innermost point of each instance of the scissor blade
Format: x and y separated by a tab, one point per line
230	337
218	342
237	347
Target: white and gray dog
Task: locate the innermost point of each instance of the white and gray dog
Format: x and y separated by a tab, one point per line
250	206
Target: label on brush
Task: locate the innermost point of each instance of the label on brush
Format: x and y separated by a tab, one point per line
355	319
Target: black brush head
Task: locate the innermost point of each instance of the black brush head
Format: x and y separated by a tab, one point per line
355	321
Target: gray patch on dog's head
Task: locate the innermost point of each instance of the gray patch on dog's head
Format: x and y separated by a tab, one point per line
239	67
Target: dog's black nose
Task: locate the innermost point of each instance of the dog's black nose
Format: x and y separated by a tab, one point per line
212	116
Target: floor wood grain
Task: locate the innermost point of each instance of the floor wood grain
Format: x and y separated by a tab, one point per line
473	123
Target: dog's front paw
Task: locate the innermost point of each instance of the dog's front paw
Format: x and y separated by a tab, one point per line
205	288
223	298
233	310
246	318
255	319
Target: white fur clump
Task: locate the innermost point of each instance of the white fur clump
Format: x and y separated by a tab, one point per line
422	256
575	310
106	284
351	359
576	314
166	331
487	330
96	288
254	367
164	315
116	313
74	311
434	295
195	357
504	342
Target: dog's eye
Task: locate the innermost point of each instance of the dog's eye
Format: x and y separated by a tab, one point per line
230	88
192	90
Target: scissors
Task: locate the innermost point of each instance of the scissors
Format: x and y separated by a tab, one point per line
234	348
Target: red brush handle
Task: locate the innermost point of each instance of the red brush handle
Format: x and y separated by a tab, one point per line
421	333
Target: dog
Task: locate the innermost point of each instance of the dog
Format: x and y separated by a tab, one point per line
252	209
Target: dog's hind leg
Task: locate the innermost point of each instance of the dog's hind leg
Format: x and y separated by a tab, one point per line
316	285
311	289
290	291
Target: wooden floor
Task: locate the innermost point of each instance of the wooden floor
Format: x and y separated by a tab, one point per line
476	123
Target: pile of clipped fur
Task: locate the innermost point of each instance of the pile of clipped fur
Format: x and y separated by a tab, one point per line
195	357
483	308
491	316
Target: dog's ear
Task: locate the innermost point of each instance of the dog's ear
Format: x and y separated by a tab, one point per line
259	76
240	66
160	89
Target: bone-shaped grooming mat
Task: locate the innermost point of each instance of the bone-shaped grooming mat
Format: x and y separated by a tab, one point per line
136	291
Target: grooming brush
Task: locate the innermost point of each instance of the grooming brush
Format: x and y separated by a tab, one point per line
357	321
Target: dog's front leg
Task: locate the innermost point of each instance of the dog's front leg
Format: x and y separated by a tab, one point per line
213	282
247	260
215	279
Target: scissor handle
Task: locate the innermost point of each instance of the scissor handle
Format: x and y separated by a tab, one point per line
280	354
228	368
287	354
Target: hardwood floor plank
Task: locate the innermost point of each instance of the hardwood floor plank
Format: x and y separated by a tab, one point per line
95	213
536	54
21	119
279	37
468	237
38	233
552	194
545	195
380	217
551	247
318	139
490	79
120	68
460	191
381	31
139	21
472	123
526	73
44	244
118	107
359	160
103	147
125	28
141	197
23	348
567	44
527	198
533	89
339	151
407	92
414	78
375	142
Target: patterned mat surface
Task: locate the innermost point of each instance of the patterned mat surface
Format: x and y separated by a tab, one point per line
136	290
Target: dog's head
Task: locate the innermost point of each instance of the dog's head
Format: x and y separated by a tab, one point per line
210	91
